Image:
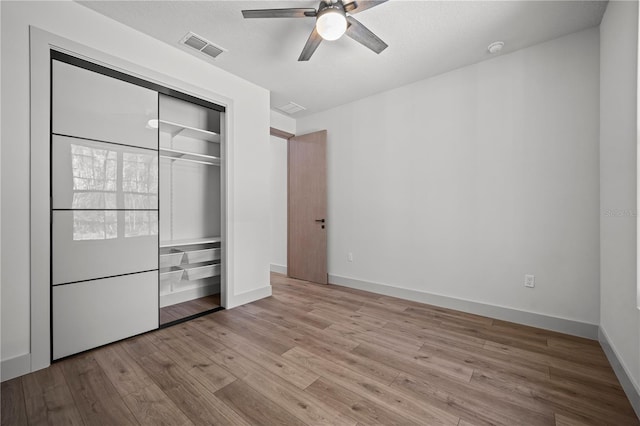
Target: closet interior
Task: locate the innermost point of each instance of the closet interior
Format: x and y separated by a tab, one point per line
190	214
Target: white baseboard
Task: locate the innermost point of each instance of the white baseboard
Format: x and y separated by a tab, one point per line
562	325
248	297
14	367
280	269
630	387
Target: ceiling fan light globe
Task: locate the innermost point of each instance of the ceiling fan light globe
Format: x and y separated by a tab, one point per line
331	23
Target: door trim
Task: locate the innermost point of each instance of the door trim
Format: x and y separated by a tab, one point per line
280	133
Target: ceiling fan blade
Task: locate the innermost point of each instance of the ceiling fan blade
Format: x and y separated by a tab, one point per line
358	6
364	36
312	44
280	13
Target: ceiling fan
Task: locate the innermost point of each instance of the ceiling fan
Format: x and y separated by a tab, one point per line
333	19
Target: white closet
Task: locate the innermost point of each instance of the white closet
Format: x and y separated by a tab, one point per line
135	206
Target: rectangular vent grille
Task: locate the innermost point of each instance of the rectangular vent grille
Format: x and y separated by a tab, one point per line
291	108
203	45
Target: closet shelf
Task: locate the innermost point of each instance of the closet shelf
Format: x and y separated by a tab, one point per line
174	154
176	129
190	241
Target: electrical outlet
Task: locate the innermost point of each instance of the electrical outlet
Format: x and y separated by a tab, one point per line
530	281
350	257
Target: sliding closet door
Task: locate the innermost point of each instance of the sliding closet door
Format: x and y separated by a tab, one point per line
104	214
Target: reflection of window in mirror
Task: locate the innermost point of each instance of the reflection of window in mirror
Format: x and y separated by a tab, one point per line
97	185
140	181
95	225
94	177
140	223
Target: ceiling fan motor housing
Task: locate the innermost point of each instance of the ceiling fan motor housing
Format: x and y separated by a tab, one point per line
331	21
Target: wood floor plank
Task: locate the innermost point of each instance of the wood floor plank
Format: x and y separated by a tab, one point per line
299	335
533	345
153	407
480	408
43	380
394	342
557	399
189	357
354	405
479	359
433	334
415	364
311	411
510	327
255	408
95	396
417	410
54	406
12	410
218	332
281	391
274	342
193	398
568	420
361	364
323	354
290	313
602	374
581	380
124	373
287	370
48	399
324	310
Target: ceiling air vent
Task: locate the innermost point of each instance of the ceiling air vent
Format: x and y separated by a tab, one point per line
291	108
203	45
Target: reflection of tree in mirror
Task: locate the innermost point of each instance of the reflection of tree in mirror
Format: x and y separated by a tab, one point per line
140	223
99	184
140	180
95	225
94	177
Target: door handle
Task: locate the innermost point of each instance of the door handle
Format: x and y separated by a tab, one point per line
320	220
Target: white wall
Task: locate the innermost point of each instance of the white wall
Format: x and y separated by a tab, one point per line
283	122
249	190
620	321
279	191
461	184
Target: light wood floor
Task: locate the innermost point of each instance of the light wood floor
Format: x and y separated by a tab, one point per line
326	355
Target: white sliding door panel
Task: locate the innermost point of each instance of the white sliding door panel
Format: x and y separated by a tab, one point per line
89	244
98	175
94	313
94	106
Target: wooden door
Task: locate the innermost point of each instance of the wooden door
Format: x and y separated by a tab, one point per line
307	207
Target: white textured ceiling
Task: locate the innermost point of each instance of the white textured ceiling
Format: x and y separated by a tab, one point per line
425	38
